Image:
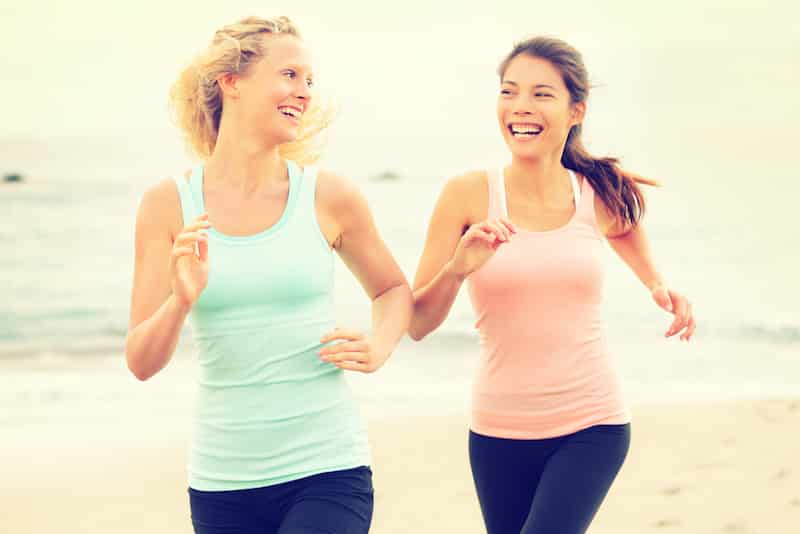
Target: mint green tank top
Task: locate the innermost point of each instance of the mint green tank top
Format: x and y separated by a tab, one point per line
268	410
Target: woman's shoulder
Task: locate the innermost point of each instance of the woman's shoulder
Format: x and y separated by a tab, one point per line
339	199
467	194
474	182
335	189
160	204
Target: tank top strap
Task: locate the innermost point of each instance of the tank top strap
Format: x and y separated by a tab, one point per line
304	182
189	209
497	193
585	210
576	188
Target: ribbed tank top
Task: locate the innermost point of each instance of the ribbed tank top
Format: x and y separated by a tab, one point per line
268	410
545	369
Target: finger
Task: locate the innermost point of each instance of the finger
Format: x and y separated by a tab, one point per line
355	366
690	328
493	230
193	234
341	333
197	224
178	252
503	228
681	307
677	325
508	224
488	239
202	249
200	225
687	322
477	234
347	346
346	357
499	230
190	238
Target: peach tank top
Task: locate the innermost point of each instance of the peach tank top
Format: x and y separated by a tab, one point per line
545	367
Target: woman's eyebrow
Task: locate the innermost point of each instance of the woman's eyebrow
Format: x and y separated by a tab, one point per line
537	86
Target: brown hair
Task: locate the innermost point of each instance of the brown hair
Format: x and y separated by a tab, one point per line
196	98
617	189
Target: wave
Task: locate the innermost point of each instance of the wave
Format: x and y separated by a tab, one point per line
775	333
109	339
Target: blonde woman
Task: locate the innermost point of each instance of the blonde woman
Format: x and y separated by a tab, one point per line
244	247
549	429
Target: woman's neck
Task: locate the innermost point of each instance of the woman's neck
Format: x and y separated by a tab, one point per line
542	179
244	162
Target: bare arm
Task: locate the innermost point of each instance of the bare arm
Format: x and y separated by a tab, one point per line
453	249
363	251
633	247
157	312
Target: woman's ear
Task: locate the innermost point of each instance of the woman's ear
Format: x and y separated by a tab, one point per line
228	84
578	112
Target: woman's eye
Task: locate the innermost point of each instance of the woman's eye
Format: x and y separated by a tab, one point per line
505	92
310	83
290	74
543	95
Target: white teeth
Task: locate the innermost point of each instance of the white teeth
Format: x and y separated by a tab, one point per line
525	129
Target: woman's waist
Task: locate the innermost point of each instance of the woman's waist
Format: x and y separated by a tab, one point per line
531	372
540	325
273	437
543	344
547	403
266	322
272	393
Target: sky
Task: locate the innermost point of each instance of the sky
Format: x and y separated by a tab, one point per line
414	81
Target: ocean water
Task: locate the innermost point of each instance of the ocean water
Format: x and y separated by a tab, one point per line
67	240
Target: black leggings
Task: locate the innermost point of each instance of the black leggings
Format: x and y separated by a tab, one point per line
546	486
338	502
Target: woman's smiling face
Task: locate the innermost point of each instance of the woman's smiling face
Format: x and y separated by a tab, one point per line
534	108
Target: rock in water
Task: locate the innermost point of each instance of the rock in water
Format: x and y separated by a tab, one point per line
385	176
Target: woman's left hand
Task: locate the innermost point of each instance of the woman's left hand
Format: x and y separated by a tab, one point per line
680	307
355	352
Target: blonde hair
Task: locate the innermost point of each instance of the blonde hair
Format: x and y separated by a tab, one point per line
196	99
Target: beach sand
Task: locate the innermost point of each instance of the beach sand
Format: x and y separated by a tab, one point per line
727	467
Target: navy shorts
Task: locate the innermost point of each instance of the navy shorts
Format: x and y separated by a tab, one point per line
338	502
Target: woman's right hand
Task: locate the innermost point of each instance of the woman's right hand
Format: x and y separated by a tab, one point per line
189	267
479	243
